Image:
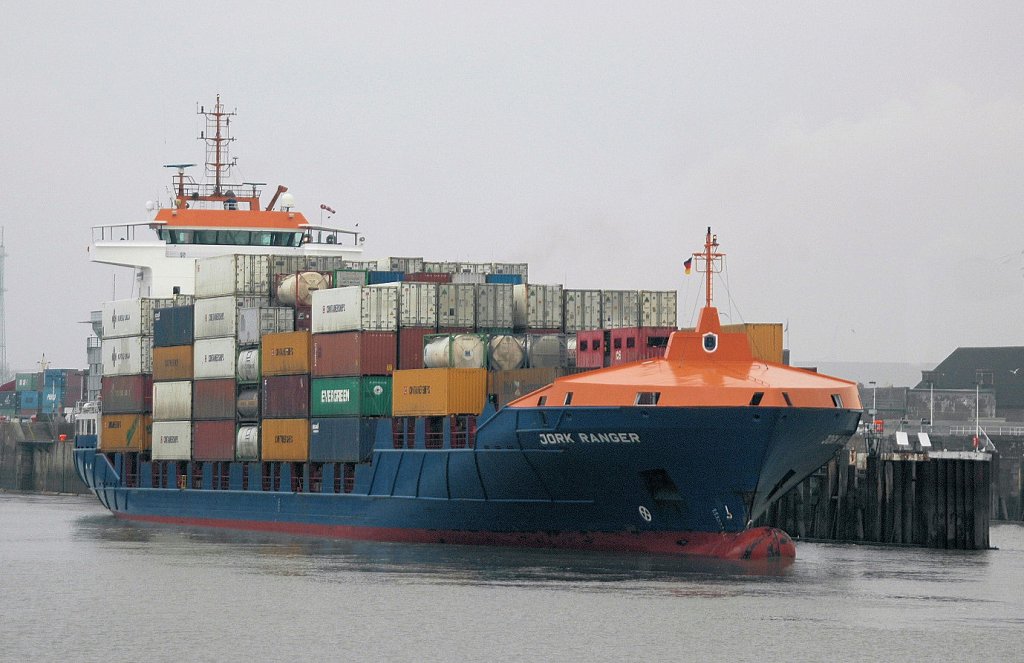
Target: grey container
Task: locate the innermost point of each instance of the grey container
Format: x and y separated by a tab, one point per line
172	401
254	322
344	439
494	307
537	306
581	310
217	317
547	351
407	265
417	305
456	306
620	308
658	308
239	275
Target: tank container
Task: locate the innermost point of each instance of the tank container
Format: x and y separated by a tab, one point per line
494	306
658	308
172	440
581	310
439	391
214	358
506	352
351	397
546	351
131	317
255	322
172	401
297	289
284	440
455	351
537	306
248	404
247	443
620	308
248	366
130	355
343	439
238	275
173	326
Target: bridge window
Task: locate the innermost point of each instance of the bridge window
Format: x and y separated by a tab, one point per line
837	400
647	398
568	398
756	398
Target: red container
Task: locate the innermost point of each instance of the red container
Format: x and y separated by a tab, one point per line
286	397
74	389
428	277
410	346
213	440
127	394
590	348
303	318
355	353
213	399
634	344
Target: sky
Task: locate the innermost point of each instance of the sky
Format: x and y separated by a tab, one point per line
861	163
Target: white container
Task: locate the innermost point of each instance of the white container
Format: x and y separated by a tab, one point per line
456	351
214	358
473	267
658	308
520	268
302	263
506	352
434	267
417	305
547	351
581	310
357	308
407	265
247	443
297	289
362	265
469	277
131	317
254	322
216	317
132	355
172	440
537	306
239	275
172	401
494	306
350	277
620	308
456	305
248	366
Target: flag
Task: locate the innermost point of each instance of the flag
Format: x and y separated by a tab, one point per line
688	266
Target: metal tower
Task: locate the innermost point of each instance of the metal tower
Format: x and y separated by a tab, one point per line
3	312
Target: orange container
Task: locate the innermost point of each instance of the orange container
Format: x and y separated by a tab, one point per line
285	439
765	339
286	353
439	391
126	432
174	363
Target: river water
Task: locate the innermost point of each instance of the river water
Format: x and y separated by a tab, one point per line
77	584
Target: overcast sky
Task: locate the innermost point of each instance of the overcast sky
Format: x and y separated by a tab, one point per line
861	163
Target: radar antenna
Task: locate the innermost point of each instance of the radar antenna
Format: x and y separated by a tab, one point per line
712	260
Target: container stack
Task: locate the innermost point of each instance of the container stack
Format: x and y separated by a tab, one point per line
286	361
27	389
636	325
127	385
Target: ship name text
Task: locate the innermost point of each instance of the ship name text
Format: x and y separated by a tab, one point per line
589	438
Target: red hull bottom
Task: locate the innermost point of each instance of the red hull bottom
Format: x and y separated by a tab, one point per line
756	544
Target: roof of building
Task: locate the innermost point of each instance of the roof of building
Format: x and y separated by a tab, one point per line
1000	369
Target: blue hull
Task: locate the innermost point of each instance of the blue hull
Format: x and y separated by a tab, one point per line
581	477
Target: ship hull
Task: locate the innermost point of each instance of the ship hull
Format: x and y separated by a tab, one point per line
668	480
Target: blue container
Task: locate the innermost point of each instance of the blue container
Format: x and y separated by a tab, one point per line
173	326
344	439
8	399
56	376
52	399
514	279
373	278
29	400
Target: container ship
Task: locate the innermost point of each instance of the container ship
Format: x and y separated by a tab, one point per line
270	377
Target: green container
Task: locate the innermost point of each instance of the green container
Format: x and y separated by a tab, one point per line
8	412
351	397
349	277
28	381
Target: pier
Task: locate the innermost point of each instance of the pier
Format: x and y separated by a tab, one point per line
33	458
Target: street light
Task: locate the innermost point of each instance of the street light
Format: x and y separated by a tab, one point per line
874	400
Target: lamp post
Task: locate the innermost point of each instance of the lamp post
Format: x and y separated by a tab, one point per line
874	400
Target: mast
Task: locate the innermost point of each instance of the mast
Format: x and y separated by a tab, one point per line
710	256
218	141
